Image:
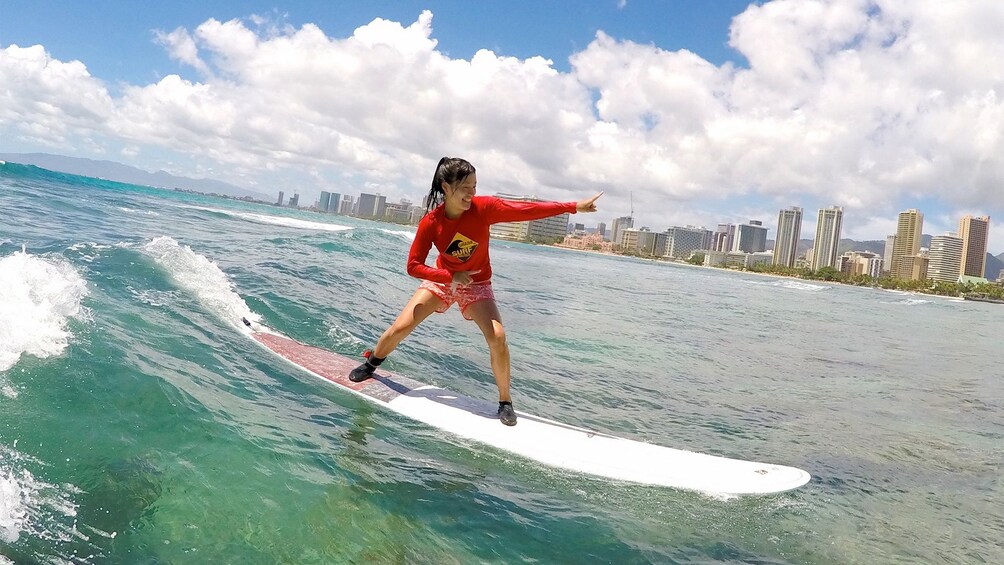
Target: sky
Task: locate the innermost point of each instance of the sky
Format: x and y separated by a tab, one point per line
685	112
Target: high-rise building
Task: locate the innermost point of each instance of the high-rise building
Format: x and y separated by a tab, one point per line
750	238
348	205
789	230
828	226
601	228
334	203
723	237
974	232
945	258
294	202
909	229
890	245
621	223
366	205
324	201
282	195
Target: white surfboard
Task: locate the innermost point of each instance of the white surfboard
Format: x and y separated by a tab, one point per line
546	441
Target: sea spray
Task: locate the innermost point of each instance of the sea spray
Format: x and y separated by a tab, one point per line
38	296
32	508
202	277
285	221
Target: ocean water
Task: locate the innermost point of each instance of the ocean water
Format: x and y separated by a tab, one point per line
138	425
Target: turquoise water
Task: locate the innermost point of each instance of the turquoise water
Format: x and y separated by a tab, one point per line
138	425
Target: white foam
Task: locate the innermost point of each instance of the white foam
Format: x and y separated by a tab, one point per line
276	220
909	302
38	296
796	285
31	506
88	250
87	245
407	235
787	283
135	211
202	277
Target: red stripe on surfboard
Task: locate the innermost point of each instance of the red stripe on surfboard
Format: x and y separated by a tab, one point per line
331	366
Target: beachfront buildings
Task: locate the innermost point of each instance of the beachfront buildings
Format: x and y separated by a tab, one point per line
890	245
828	224
330	202
974	232
402	212
945	258
750	238
589	241
723	237
546	230
643	241
854	263
681	242
789	230
347	206
736	259
619	224
371	205
909	228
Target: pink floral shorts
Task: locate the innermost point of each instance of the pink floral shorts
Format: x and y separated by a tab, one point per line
464	296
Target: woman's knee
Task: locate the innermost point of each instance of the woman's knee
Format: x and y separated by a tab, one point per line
496	337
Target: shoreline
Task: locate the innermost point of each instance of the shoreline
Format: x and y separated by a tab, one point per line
958	298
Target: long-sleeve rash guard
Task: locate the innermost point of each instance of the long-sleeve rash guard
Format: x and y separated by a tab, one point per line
463	242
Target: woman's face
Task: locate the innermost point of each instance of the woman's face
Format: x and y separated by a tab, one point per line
460	193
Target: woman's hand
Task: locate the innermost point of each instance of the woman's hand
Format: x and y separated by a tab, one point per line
462	278
589	204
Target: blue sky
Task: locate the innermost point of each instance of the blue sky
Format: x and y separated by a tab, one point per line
701	112
114	38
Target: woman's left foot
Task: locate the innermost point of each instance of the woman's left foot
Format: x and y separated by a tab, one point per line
362	372
506	414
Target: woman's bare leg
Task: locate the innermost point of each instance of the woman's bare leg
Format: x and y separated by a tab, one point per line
485	314
422	304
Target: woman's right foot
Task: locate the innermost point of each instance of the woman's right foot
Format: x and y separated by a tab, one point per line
506	414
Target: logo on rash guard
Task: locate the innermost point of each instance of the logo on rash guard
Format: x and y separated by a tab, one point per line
462	247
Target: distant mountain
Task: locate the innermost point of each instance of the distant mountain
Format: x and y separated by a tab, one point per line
994	266
845	245
109	170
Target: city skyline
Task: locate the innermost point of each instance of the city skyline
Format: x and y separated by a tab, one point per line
903	256
720	113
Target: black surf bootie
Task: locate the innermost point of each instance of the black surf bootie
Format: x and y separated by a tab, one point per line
366	370
506	414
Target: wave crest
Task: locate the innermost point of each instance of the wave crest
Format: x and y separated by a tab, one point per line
202	277
38	296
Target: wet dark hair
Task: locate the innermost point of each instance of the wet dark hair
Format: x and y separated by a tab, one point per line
449	170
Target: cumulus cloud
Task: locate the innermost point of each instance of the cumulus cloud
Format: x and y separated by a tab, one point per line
47	101
857	103
181	47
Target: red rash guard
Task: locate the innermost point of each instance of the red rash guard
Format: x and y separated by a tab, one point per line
463	242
